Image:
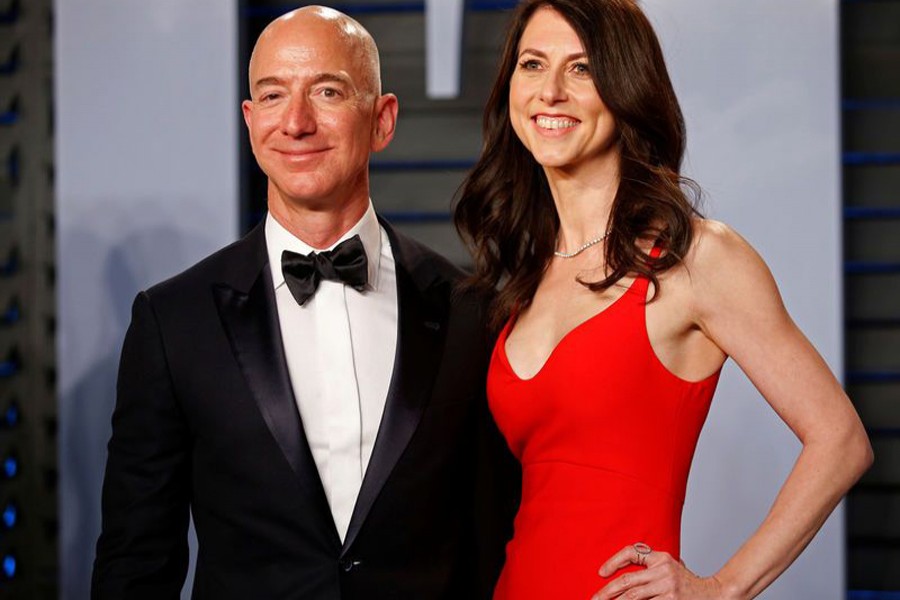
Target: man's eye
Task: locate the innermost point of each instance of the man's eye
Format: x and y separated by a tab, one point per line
331	92
269	96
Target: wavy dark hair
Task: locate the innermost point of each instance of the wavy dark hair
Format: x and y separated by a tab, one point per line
505	212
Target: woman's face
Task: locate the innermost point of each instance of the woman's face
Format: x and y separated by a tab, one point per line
554	107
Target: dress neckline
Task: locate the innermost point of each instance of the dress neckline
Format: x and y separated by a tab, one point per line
504	335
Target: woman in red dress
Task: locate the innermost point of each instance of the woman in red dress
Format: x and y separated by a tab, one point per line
617	306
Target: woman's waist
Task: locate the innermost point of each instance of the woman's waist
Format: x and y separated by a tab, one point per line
582	536
560	480
603	525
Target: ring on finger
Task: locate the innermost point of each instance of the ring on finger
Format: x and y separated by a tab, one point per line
642	551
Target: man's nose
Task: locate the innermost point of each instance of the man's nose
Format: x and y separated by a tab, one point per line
299	117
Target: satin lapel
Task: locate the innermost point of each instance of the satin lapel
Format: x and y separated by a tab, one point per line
251	323
421	324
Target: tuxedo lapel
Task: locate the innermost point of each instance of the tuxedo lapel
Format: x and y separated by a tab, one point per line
249	315
422	312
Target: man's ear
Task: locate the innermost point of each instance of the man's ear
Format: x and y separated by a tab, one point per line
386	108
247	109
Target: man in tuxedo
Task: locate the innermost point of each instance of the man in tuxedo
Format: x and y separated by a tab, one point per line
313	394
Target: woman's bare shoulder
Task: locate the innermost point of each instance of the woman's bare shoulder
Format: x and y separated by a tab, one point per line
717	247
722	266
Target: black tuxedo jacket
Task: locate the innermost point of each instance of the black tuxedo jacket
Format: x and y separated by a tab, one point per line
206	422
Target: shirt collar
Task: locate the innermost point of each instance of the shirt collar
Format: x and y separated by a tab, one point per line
279	239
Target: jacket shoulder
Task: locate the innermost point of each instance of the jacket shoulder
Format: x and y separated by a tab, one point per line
237	265
419	259
433	271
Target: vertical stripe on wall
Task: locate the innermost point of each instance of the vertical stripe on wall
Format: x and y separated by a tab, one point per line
147	179
758	82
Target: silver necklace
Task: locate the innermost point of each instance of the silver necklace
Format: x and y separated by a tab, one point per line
582	248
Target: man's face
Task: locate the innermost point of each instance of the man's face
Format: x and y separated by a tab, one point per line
314	115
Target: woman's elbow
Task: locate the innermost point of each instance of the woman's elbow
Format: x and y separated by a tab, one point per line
857	451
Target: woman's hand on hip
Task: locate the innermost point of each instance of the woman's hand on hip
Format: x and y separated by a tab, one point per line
663	578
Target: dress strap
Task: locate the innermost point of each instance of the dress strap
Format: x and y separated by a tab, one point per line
642	284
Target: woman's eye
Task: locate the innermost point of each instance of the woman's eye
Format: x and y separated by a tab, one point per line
529	65
581	68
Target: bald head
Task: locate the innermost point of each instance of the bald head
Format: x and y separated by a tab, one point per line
349	35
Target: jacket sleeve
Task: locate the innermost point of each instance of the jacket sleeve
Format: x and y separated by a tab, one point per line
497	480
497	494
142	551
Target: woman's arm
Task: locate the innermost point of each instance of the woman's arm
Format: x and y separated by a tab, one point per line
736	304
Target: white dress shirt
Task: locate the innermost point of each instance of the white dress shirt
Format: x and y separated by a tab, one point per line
340	349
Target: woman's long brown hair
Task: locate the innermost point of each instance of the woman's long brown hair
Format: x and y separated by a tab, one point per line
505	212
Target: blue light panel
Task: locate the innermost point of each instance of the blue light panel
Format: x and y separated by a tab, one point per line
10	515
10	467
9	566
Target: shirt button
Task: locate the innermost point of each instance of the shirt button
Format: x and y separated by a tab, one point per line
348	565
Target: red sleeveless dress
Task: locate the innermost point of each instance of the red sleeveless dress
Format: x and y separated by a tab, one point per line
605	434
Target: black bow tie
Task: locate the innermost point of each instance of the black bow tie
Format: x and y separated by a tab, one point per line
346	263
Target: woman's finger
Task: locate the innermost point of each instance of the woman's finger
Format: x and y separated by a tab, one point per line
633	554
625	586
